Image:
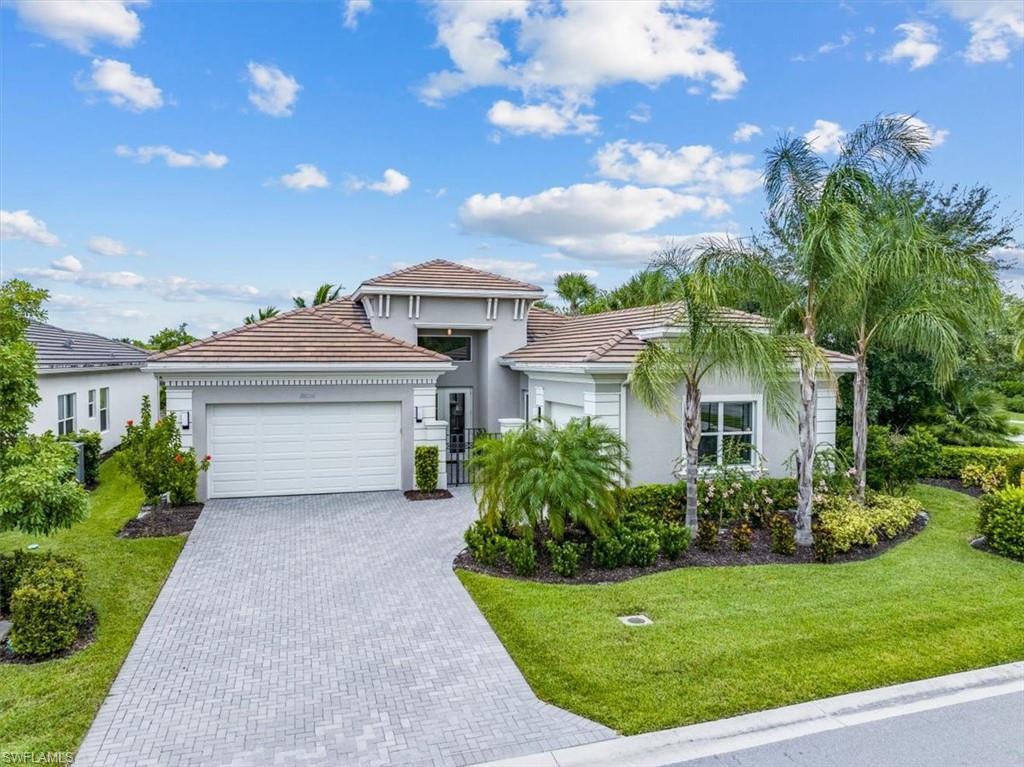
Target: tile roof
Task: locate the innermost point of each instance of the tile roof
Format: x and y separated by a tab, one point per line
317	334
446	274
58	348
345	309
540	322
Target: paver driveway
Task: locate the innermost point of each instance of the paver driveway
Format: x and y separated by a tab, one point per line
322	630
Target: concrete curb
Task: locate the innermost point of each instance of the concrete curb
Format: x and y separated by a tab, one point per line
750	730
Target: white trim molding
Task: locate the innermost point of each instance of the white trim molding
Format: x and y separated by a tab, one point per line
365	289
758	427
157	366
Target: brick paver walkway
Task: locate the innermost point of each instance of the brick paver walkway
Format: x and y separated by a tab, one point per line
322	630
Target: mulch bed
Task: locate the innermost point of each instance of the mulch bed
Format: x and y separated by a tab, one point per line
433	495
759	554
86	636
174	520
952	484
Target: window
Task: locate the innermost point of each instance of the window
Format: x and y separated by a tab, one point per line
92	403
65	413
726	433
104	409
456	347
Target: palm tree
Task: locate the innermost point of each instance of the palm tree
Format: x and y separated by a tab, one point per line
1018	318
710	343
326	292
910	289
576	289
654	285
263	314
815	225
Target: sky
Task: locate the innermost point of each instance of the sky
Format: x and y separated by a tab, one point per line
169	162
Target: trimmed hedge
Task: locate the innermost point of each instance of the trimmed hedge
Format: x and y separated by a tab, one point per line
953	459
16	565
92	449
46	609
1001	521
848	524
663	502
426	463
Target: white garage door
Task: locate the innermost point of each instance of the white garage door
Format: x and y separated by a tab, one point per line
561	413
302	448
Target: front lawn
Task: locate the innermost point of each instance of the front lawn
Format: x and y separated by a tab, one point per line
731	640
48	706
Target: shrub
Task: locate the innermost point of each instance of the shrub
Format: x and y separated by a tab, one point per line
565	557
1001	521
156	460
46	609
92	449
522	555
988	479
849	524
707	535
824	542
953	459
741	536
426	463
485	545
892	515
675	539
778	493
897	461
658	502
17	564
611	550
642	547
781	533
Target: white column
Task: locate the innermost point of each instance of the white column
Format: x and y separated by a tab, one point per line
179	403
826	419
604	408
427	430
505	425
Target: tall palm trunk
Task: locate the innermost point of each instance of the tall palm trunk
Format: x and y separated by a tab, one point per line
860	421
691	433
807	427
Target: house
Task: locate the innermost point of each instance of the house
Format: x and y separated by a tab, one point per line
86	381
334	398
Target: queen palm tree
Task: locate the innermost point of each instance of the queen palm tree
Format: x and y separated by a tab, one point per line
710	342
265	313
815	221
654	285
576	289
326	292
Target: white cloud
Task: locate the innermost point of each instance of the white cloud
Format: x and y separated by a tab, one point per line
108	246
527	271
22	225
829	47
1012	260
542	119
697	168
744	132
937	136
68	263
79	23
306	176
918	44
825	137
353	9
273	92
996	26
123	87
563	53
97	311
173	158
596	221
641	113
391	184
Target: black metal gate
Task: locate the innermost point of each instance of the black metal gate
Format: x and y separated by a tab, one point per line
460	446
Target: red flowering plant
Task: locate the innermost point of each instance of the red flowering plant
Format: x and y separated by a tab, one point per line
157	461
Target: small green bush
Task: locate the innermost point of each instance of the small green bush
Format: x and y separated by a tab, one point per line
824	542
46	609
781	533
565	557
988	479
741	536
953	459
1001	521
485	545
155	458
14	566
897	461
522	555
658	502
675	539
643	547
611	550
850	524
891	515
92	449
426	461
707	535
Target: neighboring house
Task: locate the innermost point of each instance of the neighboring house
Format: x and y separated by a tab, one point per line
87	381
334	398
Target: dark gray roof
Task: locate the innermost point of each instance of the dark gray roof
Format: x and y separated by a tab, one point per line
57	348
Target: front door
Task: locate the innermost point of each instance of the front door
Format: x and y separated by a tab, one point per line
455	405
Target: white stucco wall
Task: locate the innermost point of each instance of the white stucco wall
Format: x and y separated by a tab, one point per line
127	387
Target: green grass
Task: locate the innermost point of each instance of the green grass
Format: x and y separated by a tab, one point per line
49	706
727	641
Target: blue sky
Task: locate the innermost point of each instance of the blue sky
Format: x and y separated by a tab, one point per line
169	162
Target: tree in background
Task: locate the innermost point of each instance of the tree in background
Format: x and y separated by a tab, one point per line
711	343
326	292
265	313
576	289
20	303
815	223
657	284
170	338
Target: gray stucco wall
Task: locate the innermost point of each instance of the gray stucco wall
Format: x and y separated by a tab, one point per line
218	395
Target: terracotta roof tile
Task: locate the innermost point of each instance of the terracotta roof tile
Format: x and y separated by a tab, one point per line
540	322
446	274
